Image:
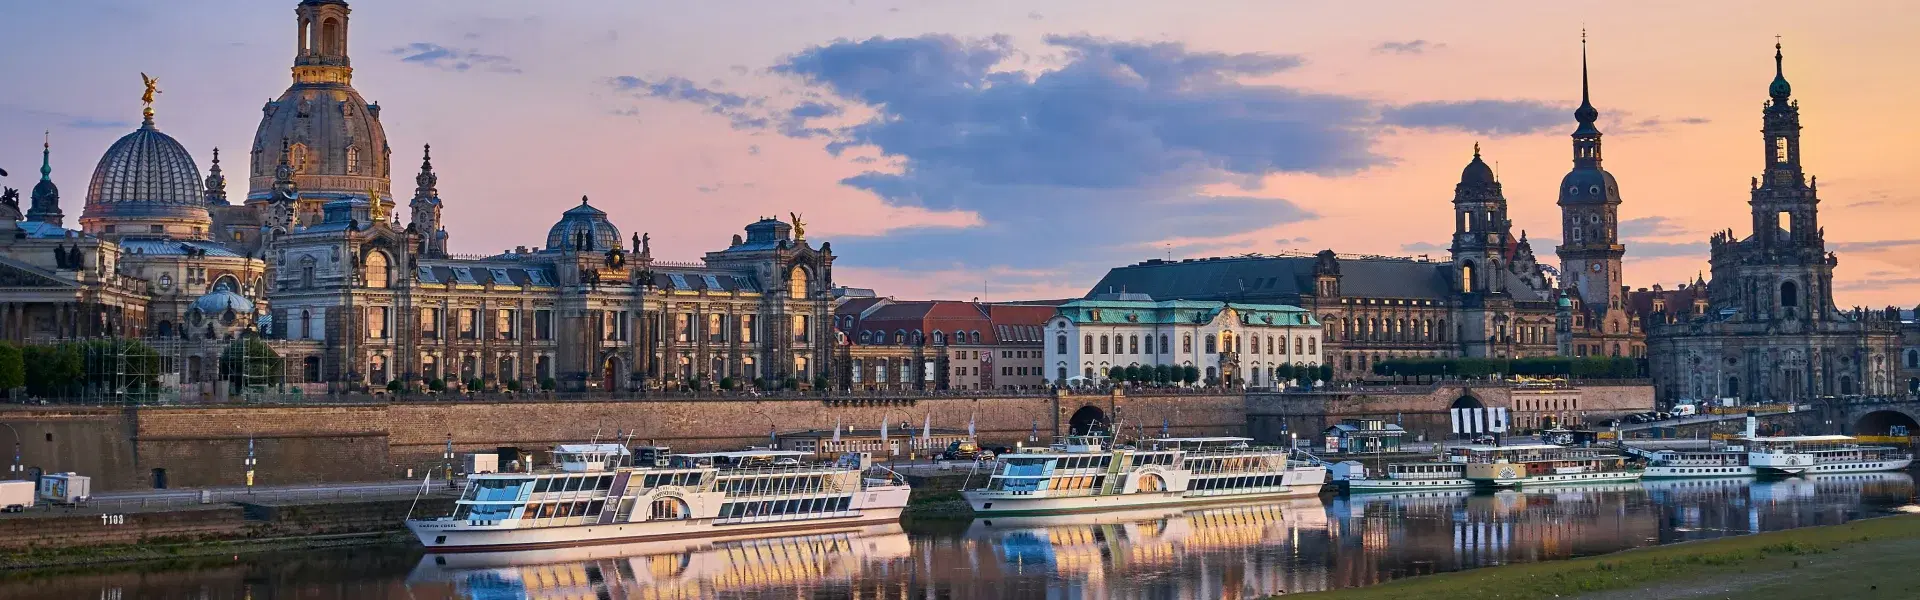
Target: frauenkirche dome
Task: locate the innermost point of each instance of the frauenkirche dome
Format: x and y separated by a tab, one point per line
337	144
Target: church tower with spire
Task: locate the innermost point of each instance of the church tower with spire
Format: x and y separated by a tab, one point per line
426	208
1590	250
46	195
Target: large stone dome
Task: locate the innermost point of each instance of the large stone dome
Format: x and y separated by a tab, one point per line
583	218
337	144
146	183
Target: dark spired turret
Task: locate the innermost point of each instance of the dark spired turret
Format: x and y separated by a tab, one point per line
46	195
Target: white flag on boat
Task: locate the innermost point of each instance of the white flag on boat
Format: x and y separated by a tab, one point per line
926	429
836	430
970	426
883	427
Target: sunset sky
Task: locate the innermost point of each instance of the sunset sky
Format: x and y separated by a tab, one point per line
1020	149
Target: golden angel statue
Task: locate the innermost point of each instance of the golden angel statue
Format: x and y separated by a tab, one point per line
376	208
153	87
799	226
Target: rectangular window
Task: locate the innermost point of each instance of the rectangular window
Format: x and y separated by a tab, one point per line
504	325
543	324
716	328
469	323
683	327
749	326
430	323
801	329
377	322
1780	149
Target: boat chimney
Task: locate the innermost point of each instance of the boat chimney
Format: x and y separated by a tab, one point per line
1753	423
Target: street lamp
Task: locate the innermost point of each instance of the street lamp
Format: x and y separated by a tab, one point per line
16	470
250	463
448	455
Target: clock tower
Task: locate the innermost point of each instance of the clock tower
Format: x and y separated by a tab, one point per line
1591	251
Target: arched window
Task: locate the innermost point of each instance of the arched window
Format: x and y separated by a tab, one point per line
377	270
1104	348
1913	359
1164	348
939	338
1466	277
1211	348
1086	345
1789	295
865	336
900	337
300	329
1063	375
353	160
331	37
1441	330
1186	343
976	336
1733	387
1133	344
1060	347
1296	344
1311	348
1089	371
797	283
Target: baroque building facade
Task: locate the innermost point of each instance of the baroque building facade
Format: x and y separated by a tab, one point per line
1491	298
316	260
1769	329
1224	342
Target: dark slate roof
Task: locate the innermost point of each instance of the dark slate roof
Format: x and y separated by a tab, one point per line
1284	279
152	247
473	273
692	280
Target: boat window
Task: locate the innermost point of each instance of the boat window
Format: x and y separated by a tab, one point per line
540	485
606	482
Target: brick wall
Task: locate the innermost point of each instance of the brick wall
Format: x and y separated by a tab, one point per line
1424	410
206	446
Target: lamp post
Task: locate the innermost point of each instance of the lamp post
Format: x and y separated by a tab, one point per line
448	455
16	470
250	463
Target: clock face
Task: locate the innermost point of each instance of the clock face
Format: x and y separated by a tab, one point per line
1596	267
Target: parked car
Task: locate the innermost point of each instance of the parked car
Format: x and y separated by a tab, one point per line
966	450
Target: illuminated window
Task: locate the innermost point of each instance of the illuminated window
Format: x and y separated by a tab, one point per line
1780	149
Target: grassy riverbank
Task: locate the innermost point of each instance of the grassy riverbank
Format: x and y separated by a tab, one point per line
1861	560
96	555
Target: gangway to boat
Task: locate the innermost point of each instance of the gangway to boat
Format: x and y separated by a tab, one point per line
1297	454
1641	453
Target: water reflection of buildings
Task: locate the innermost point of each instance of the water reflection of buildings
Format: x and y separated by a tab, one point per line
1240	551
1382	537
1703	508
671	570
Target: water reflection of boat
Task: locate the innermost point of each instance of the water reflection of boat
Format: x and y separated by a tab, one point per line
1086	543
667	569
1813	485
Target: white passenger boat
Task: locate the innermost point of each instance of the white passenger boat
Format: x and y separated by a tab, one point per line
1779	455
1544	464
1084	473
1410	476
594	494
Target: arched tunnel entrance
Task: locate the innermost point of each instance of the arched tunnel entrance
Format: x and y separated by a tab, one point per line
1886	422
1087	420
1467	402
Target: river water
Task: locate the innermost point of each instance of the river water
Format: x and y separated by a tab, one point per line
1243	551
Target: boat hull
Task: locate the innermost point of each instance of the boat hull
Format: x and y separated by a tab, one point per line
1562	479
1852	466
1358	486
986	505
440	539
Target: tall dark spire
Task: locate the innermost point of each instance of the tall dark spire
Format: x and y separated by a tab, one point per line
1586	114
46	157
426	184
216	192
1780	90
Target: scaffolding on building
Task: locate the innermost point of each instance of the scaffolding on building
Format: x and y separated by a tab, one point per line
127	371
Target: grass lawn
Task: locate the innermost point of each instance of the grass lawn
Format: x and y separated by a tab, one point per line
1863	560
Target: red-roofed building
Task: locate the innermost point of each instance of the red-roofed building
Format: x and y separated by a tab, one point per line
939	344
